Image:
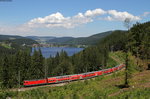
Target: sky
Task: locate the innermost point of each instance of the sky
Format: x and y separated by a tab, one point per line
76	18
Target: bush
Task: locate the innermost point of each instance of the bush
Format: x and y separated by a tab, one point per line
5	94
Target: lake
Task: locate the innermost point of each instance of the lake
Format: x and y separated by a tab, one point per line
47	51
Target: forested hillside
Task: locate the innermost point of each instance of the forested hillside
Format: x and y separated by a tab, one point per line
139	40
11	44
60	40
19	40
91	40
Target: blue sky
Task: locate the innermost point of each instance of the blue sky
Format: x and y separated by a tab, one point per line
69	17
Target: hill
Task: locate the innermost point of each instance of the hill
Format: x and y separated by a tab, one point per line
41	39
17	39
91	40
60	40
11	44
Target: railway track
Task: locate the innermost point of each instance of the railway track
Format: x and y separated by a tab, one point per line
34	87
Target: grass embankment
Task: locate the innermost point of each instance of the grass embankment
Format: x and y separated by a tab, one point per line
102	87
119	57
115	59
6	45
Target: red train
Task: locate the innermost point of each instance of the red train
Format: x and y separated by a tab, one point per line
65	78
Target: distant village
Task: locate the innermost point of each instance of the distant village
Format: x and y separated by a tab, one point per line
58	45
9	44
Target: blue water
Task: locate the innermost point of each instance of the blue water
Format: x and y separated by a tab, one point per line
47	51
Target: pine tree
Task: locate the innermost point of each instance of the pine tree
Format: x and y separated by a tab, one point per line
41	64
37	65
5	73
26	65
127	24
34	65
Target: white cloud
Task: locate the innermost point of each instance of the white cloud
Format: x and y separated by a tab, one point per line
96	12
121	16
108	18
17	30
58	20
53	20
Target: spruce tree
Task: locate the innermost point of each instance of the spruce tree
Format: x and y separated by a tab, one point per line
127	24
5	73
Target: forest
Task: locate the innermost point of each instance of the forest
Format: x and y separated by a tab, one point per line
17	65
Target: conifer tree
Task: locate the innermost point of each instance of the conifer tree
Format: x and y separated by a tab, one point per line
127	24
5	73
37	68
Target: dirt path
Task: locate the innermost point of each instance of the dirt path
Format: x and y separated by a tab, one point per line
34	87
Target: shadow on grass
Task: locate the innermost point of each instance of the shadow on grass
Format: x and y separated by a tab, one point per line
122	86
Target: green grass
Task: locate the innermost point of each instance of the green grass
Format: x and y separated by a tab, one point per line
102	87
111	63
119	55
86	89
134	94
6	45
